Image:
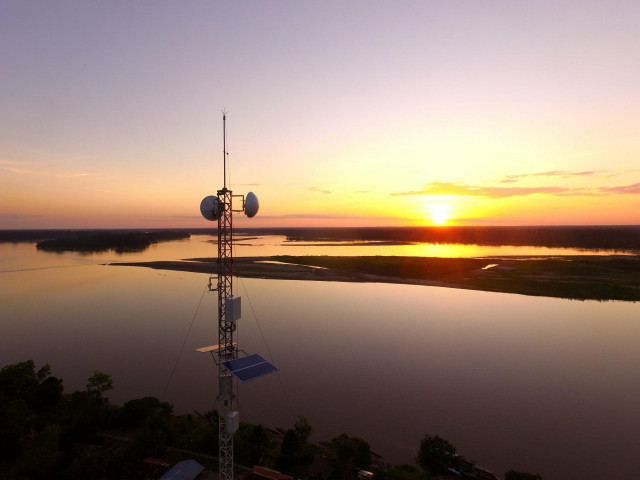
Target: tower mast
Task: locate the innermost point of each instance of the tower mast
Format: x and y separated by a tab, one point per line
226	325
225	352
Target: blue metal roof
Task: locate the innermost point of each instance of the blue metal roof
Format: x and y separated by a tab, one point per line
185	470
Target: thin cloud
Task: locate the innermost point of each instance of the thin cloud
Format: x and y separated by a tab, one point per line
456	189
446	188
633	189
320	216
325	216
40	173
552	173
319	190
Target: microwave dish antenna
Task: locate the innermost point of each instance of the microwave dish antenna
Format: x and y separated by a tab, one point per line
210	208
251	205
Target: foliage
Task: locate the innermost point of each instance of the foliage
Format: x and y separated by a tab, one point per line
83	413
41	454
27	401
99	383
39	390
136	412
436	455
104	241
46	434
42	428
302	429
208	439
584	237
251	443
295	449
16	419
350	454
156	432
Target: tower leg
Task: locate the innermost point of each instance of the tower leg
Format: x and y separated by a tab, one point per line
226	350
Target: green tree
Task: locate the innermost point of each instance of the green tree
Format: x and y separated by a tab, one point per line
350	454
156	434
136	411
98	383
49	394
295	449
38	389
436	455
251	443
84	412
302	429
40	454
16	419
205	439
28	398
19	380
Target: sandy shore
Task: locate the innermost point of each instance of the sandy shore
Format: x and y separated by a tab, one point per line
265	267
574	277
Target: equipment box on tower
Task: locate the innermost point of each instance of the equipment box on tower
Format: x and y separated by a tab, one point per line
232	309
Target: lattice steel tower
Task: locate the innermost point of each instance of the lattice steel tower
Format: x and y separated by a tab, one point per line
225	352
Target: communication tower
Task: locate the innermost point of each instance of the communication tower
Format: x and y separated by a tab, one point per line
220	207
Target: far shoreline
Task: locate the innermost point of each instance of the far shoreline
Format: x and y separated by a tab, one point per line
616	238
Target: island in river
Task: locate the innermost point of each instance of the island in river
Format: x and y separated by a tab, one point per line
583	277
580	277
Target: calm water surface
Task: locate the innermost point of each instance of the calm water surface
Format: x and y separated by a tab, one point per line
537	384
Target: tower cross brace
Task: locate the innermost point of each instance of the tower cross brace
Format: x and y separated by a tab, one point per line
226	329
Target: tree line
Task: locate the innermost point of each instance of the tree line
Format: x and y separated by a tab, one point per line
46	433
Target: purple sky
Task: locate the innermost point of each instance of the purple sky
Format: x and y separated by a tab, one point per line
111	111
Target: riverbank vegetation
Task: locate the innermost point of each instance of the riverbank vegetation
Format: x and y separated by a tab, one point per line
102	242
623	238
587	277
595	237
48	434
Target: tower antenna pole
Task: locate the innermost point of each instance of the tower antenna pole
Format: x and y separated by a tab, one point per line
220	208
226	324
224	147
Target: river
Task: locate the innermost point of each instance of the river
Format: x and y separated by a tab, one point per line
531	383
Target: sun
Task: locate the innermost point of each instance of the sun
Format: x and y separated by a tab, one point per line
440	213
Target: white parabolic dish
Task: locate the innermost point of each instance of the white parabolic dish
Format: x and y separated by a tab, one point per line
210	207
251	205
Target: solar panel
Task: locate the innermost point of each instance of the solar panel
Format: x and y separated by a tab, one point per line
249	367
255	371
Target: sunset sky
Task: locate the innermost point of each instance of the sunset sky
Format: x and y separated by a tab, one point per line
339	112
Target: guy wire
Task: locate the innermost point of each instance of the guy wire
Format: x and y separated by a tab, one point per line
284	391
175	365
